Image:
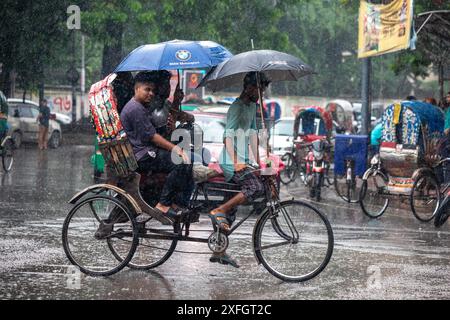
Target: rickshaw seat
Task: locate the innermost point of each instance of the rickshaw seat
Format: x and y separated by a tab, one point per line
399	161
220	178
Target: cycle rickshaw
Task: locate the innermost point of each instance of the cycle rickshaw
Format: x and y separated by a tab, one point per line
342	114
291	239
408	153
311	124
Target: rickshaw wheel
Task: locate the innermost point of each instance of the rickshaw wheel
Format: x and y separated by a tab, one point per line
348	191
290	171
425	197
86	243
373	202
151	251
294	242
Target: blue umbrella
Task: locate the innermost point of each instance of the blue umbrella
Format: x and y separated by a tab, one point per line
175	55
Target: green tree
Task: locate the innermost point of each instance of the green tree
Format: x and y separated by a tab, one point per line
31	34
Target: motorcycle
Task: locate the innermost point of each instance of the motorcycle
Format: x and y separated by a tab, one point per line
316	165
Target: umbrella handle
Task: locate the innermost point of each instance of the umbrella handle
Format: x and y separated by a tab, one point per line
262	111
178	86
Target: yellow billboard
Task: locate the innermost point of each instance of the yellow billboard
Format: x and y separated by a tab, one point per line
384	28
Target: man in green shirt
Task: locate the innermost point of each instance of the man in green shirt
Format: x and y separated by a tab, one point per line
240	138
3	115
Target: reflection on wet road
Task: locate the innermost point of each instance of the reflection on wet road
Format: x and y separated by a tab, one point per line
393	257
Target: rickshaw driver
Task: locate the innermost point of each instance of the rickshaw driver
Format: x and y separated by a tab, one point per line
241	118
152	151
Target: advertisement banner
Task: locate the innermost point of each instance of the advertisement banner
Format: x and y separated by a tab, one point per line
384	28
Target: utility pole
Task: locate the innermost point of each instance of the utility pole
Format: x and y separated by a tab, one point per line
366	96
83	75
74	91
73	76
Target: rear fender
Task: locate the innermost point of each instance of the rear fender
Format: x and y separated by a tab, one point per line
95	189
368	173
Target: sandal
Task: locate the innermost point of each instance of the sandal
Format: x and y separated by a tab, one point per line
224	259
220	219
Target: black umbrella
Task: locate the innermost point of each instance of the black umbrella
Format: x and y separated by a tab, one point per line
277	66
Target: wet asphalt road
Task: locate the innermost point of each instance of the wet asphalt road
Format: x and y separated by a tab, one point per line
393	257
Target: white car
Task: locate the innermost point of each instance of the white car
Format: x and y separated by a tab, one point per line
281	136
23	126
62	118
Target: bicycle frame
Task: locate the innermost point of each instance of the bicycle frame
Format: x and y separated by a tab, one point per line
272	201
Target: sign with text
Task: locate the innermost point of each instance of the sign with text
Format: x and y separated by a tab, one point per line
61	104
384	28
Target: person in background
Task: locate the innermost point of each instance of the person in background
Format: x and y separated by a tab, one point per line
375	139
445	108
431	100
3	116
44	121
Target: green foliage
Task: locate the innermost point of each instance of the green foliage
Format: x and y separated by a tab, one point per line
32	34
34	38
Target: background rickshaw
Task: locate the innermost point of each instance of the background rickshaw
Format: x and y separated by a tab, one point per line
350	157
342	115
409	146
310	124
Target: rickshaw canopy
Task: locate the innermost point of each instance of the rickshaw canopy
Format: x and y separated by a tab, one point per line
342	113
412	116
313	121
410	136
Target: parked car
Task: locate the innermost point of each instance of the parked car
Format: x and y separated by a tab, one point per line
25	128
281	136
62	118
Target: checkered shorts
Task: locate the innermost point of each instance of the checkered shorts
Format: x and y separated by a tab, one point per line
251	185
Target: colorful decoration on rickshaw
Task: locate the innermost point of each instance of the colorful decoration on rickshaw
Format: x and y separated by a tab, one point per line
397	111
411	142
111	136
410	133
388	133
103	108
411	115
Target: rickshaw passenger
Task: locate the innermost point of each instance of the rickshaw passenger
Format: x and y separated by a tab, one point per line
234	160
165	114
152	151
